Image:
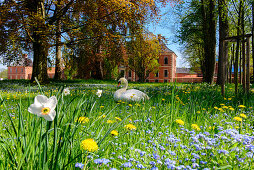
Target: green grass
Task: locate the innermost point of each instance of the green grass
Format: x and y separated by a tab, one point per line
31	142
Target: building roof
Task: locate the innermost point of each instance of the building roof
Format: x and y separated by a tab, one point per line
164	47
182	70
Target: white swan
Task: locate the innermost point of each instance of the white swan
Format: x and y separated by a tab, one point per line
128	95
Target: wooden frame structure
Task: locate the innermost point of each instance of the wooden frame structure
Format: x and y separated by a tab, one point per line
245	64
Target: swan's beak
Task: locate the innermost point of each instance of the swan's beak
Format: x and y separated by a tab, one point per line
119	83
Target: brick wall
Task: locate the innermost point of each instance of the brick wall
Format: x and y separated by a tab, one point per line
17	72
21	72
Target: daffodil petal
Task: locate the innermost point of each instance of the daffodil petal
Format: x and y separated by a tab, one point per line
50	116
35	109
40	99
51	103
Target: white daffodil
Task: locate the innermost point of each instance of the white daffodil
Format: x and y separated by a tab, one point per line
99	93
66	91
44	107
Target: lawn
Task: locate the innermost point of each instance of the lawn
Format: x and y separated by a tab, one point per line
182	126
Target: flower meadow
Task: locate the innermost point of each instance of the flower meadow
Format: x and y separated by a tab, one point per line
182	126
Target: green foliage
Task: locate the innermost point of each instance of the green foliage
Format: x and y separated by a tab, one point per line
3	73
190	34
143	52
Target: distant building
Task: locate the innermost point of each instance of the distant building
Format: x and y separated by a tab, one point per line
22	69
25	72
167	68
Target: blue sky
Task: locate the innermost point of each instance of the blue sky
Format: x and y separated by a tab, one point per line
166	27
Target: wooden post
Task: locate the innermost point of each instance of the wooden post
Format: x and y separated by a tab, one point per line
243	65
236	66
248	65
231	64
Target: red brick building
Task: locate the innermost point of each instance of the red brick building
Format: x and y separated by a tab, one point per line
25	72
167	68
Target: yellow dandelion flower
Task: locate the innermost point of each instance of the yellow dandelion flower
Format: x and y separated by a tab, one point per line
89	145
130	127
231	108
195	127
222	104
220	109
118	118
215	107
229	98
130	105
238	119
198	112
241	106
179	121
101	107
114	133
110	121
237	127
163	99
243	115
83	120
225	107
211	127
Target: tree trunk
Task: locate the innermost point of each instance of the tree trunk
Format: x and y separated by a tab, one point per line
236	67
40	50
209	32
252	42
58	69
223	50
40	43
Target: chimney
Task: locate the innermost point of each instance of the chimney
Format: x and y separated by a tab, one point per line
159	37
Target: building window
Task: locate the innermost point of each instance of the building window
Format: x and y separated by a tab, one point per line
10	77
165	73
16	70
129	73
165	80
166	60
156	80
147	80
21	70
10	70
122	73
157	74
16	77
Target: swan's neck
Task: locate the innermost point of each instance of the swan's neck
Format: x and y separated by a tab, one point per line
125	85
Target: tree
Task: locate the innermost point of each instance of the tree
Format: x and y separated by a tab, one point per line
190	34
223	46
143	52
30	25
209	37
3	73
